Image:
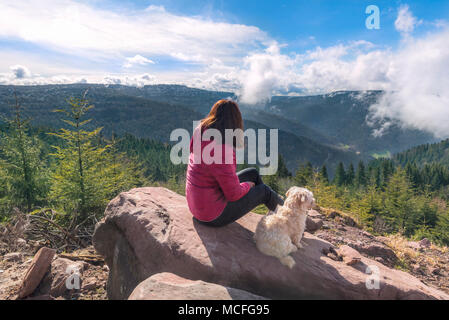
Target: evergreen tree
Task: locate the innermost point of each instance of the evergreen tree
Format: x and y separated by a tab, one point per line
86	175
304	174
350	175
340	175
282	168
400	206
360	177
23	169
323	174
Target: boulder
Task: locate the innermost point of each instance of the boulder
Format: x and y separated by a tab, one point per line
414	245
425	243
54	282
350	256
150	230
374	249
168	286
37	270
314	214
13	257
313	224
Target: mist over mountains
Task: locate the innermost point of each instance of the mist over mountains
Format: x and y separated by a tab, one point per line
322	129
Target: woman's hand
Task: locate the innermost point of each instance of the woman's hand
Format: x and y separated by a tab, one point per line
251	184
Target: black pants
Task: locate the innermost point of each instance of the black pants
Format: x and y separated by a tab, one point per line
259	194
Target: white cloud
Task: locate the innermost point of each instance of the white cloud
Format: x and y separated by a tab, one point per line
76	28
405	22
20	72
137	60
418	94
267	71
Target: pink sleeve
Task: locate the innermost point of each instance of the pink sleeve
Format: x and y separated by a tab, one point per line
227	178
229	183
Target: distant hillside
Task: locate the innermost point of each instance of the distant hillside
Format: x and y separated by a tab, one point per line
297	150
113	110
426	154
122	109
342	115
277	121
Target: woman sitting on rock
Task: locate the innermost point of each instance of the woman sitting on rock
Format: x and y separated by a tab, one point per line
216	194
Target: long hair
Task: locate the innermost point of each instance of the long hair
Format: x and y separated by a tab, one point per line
225	114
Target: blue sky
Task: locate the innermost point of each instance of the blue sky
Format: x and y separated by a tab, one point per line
294	21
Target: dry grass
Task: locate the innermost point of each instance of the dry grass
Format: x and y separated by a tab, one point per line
400	246
345	217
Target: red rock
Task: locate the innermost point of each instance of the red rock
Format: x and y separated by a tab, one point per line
313	224
314	214
61	270
39	266
376	250
425	243
150	230
13	257
168	286
89	284
350	255
414	245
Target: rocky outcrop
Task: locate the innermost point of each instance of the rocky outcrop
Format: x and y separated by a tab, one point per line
168	286
150	230
54	283
38	268
314	221
349	255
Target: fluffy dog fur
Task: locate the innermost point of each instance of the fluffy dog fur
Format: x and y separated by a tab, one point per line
280	234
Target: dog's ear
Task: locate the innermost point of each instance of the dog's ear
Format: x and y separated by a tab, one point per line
289	191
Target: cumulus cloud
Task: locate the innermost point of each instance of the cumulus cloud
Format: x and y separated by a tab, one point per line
405	21
267	71
353	66
418	94
414	77
20	72
137	60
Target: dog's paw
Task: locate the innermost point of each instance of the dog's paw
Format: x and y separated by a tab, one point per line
288	261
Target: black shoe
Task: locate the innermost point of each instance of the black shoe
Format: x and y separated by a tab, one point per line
274	200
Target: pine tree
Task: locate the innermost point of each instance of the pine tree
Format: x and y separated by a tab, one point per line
282	168
340	175
400	206
304	174
360	177
23	169
350	175
86	175
323	174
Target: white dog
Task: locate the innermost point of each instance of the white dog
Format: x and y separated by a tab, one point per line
280	234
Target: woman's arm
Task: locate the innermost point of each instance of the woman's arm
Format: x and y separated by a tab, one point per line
229	183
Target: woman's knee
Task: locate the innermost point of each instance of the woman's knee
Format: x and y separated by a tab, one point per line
249	174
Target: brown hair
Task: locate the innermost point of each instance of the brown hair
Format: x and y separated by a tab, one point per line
225	114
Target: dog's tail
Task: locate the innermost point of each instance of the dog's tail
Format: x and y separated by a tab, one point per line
287	261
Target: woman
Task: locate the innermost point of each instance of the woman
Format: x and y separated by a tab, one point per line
216	194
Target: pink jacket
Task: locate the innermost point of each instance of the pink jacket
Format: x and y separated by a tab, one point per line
209	187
